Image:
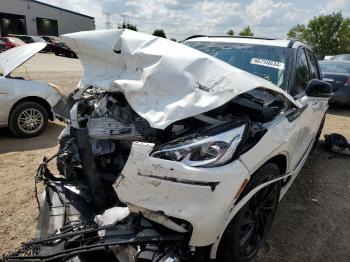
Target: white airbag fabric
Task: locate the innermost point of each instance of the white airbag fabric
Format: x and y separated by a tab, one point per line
163	81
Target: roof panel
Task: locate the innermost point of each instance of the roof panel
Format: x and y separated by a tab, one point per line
243	40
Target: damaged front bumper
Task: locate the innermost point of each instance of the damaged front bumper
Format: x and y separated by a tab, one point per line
201	196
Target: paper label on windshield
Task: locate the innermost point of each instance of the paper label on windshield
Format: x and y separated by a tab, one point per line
268	63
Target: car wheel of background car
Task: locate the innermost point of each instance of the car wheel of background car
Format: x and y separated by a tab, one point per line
248	229
28	119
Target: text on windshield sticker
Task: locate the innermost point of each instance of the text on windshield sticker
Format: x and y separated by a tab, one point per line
268	63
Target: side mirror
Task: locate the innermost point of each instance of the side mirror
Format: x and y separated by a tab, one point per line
318	88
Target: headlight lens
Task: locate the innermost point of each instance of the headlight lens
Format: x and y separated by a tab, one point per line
204	151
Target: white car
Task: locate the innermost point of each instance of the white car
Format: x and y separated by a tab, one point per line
183	151
25	106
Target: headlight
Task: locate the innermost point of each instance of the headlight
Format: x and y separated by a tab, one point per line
204	151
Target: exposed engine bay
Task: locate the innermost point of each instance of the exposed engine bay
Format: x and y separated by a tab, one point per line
103	127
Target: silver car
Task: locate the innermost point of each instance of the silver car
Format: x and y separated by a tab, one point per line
25	106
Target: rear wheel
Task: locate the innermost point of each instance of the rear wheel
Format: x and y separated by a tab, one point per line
248	230
28	119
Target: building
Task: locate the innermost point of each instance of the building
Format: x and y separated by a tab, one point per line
31	17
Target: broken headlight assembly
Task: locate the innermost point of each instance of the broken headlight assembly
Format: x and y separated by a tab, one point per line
212	148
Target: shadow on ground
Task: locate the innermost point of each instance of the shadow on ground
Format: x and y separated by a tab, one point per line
339	110
11	143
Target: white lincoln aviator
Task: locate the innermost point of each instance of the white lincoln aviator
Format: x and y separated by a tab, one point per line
177	151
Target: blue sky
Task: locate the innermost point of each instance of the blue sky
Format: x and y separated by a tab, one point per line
182	18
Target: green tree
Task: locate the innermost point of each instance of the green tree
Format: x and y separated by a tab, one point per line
127	26
297	32
159	32
173	39
325	34
230	32
246	31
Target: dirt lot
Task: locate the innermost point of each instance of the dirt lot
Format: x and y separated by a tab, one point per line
312	224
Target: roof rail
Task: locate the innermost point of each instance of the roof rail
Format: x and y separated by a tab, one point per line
232	36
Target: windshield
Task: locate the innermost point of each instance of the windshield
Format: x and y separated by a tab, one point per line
268	62
335	67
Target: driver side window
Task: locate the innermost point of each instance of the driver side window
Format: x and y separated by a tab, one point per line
302	73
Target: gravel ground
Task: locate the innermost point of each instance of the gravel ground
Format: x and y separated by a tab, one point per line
312	223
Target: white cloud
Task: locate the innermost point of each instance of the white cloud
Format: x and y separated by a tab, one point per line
270	13
336	6
181	18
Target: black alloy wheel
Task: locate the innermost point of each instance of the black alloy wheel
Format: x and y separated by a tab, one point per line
247	231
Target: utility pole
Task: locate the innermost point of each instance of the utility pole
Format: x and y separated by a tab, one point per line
108	19
125	18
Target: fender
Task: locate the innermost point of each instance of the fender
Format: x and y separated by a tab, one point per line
246	198
241	203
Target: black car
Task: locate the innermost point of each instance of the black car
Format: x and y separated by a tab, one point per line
62	49
338	73
28	39
342	57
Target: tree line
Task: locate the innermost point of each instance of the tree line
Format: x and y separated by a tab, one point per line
325	34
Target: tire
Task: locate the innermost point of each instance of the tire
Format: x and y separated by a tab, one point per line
248	230
71	55
28	119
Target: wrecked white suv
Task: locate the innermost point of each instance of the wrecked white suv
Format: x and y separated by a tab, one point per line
176	152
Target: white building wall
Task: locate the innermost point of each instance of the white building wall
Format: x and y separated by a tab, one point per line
67	22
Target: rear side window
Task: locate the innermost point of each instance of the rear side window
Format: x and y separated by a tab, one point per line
334	67
26	39
313	64
302	73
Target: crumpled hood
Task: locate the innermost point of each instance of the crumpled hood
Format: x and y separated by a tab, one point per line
13	58
162	80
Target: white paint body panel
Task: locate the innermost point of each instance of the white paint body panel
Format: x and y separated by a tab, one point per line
242	40
147	182
162	80
203	207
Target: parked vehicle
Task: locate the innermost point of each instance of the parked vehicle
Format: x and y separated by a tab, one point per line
2	46
338	73
11	42
342	57
53	41
35	39
62	49
183	150
25	105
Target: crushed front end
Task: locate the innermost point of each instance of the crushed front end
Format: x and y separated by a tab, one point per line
148	182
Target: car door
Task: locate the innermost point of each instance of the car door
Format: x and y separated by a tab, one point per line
312	108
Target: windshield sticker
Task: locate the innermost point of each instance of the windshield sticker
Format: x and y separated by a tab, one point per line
268	63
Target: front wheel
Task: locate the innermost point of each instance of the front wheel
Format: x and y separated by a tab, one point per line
247	231
28	119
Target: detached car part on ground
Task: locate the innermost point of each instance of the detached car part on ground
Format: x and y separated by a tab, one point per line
171	154
25	105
